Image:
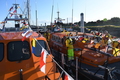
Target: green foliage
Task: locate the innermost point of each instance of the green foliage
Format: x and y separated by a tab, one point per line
113	21
105	19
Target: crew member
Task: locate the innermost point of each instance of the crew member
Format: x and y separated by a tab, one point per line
69	45
106	37
47	35
116	48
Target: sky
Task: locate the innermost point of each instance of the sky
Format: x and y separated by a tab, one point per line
93	10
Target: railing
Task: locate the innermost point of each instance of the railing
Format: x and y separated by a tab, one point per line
76	68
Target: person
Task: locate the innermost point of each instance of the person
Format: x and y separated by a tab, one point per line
116	48
70	50
47	35
105	37
97	36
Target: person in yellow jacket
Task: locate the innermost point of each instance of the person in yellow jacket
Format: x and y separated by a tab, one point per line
116	48
69	45
47	35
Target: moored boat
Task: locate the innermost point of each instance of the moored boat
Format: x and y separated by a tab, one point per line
23	51
91	61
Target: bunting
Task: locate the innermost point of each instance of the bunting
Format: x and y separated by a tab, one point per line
23	27
13	13
28	35
33	46
2	22
11	8
43	60
28	30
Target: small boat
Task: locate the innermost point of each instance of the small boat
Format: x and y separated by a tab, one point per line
21	51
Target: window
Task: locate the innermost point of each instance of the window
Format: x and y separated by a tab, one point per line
18	50
1	51
38	49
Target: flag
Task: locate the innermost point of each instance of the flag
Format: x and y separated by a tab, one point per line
10	8
43	60
11	14
2	22
14	11
18	7
23	27
24	23
33	46
28	35
24	33
68	77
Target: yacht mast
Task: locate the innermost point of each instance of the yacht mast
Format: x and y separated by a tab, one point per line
36	19
72	11
52	12
28	11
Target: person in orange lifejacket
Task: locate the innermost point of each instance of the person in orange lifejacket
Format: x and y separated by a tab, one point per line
70	50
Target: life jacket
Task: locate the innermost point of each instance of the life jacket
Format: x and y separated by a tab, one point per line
69	43
84	40
116	52
115	44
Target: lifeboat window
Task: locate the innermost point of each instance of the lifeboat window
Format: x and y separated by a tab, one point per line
38	49
52	37
60	40
18	50
1	51
56	39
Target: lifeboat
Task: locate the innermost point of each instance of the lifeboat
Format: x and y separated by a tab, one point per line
21	52
90	60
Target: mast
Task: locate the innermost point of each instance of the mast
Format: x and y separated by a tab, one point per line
52	13
36	18
72	11
28	11
58	17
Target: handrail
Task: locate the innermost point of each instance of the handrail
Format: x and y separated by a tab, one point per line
94	49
